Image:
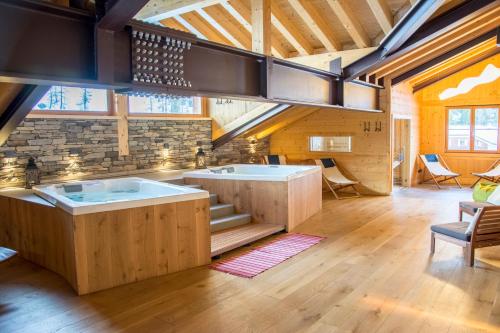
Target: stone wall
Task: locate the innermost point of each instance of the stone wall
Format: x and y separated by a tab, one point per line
49	141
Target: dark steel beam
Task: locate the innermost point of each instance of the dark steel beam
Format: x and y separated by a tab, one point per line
242	129
118	13
409	24
455	69
443	57
19	108
436	26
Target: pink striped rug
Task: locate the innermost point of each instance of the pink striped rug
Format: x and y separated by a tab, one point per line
262	258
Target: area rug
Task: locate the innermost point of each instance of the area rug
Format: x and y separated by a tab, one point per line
262	258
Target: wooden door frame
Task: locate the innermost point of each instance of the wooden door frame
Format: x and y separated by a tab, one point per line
406	143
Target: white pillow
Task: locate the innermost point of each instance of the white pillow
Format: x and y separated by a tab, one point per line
494	197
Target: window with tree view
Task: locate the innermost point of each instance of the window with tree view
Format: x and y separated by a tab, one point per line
164	105
71	99
473	129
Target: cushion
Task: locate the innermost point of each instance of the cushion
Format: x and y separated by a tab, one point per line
273	159
471	207
456	230
482	190
328	162
431	158
494	198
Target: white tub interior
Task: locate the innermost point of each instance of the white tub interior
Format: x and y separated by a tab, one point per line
82	197
254	172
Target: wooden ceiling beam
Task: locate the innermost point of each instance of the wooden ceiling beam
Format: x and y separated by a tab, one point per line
350	22
382	13
241	13
288	29
217	17
316	24
189	27
157	10
261	26
204	27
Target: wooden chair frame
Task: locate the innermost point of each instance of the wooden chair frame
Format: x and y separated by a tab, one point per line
486	233
334	187
436	178
491	179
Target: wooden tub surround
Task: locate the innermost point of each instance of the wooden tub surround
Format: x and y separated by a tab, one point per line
102	250
283	203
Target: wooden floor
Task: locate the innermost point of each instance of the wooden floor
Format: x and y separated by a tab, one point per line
372	274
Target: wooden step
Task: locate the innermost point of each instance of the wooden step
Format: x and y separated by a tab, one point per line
229	221
230	239
221	210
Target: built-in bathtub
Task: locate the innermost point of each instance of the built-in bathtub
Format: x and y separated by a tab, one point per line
285	195
105	233
254	172
93	196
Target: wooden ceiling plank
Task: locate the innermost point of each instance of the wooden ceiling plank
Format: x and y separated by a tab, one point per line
455	69
288	29
174	24
189	27
261	26
436	60
316	24
205	28
350	23
382	14
157	10
216	19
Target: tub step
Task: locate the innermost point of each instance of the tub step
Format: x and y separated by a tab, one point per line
214	199
230	221
221	210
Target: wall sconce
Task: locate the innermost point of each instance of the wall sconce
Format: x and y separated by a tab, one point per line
10	156
75	152
166	146
33	174
200	157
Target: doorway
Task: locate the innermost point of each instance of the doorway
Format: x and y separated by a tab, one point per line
401	152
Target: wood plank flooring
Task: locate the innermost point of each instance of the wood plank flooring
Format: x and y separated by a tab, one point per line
372	274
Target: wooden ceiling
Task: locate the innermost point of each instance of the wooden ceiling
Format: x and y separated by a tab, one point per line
299	27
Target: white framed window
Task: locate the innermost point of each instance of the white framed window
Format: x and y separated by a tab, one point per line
341	144
164	106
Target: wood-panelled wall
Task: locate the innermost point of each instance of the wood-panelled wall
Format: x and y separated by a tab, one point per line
433	118
369	162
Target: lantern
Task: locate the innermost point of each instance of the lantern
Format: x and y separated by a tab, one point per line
32	173
200	158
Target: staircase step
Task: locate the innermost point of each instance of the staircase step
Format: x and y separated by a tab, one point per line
230	221
221	210
214	199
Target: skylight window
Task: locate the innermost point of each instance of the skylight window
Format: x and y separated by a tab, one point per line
489	74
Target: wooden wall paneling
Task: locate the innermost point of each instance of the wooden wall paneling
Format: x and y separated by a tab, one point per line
369	162
433	119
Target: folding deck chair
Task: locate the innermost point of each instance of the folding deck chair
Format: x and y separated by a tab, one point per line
483	231
275	159
492	175
437	168
334	179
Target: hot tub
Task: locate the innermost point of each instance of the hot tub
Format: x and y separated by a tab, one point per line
84	197
255	172
101	234
285	195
